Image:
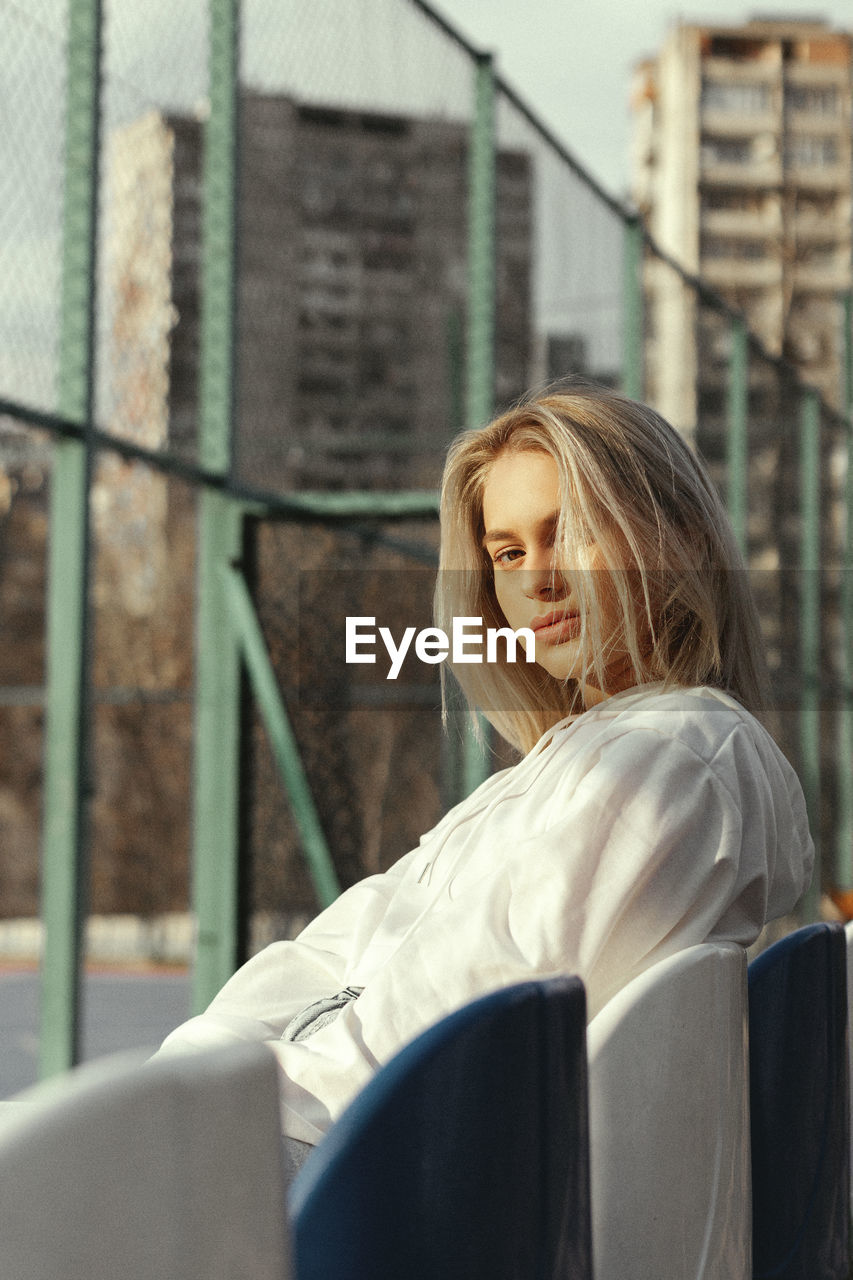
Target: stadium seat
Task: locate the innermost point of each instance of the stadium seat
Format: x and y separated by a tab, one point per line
167	1170
465	1157
799	1099
669	1122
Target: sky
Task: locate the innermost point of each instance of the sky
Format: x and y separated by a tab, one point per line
571	60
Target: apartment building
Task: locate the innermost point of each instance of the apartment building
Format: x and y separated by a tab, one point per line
351	287
742	168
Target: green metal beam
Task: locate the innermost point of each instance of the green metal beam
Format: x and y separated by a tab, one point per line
633	379
847	371
64	870
480	347
844	843
810	625
219	237
216	763
737	468
455	347
282	739
220	533
482	251
355	505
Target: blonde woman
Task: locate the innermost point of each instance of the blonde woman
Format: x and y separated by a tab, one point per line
650	810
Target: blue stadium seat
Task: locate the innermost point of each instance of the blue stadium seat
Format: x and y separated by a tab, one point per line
465	1157
799	1101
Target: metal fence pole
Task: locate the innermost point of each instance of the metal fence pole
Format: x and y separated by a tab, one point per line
633	380
220	522
810	625
737	468
480	354
480	349
64	871
844	845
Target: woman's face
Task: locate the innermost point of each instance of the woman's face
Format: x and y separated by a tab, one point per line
521	510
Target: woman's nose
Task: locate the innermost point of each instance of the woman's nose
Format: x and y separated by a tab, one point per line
544	583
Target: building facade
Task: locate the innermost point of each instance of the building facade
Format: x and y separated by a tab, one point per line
742	169
351	287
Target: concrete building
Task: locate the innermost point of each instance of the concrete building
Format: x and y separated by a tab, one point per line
352	278
742	168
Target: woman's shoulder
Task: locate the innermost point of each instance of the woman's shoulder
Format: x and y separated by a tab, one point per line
676	743
667	706
702	719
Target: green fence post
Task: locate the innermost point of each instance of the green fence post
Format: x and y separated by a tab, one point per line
633	380
217	735
220	526
810	625
456	372
64	870
844	846
480	354
737	443
480	348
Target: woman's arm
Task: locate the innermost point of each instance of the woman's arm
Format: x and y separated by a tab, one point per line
261	998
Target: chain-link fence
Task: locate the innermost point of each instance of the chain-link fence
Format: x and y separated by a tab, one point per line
324	236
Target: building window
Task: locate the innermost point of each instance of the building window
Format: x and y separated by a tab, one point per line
819	255
744	250
716	201
735	99
812	206
817	100
727	151
735	48
811	151
712	247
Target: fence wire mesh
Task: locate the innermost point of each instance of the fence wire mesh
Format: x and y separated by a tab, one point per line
32	94
568	253
155	85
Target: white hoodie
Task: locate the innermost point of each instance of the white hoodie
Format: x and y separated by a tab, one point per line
654	821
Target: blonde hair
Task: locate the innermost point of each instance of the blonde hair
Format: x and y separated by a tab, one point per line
629	485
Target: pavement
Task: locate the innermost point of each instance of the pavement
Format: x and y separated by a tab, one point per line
122	1009
135	991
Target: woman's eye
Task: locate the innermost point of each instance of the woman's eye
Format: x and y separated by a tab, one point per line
508	556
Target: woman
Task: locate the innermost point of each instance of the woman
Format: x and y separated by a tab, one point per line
650	811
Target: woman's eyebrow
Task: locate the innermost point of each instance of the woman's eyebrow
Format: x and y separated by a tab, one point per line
495	535
547	525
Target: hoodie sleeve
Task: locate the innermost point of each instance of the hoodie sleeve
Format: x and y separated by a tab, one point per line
279	982
652	849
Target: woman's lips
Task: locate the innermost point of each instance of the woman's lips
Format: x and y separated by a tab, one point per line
556	627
